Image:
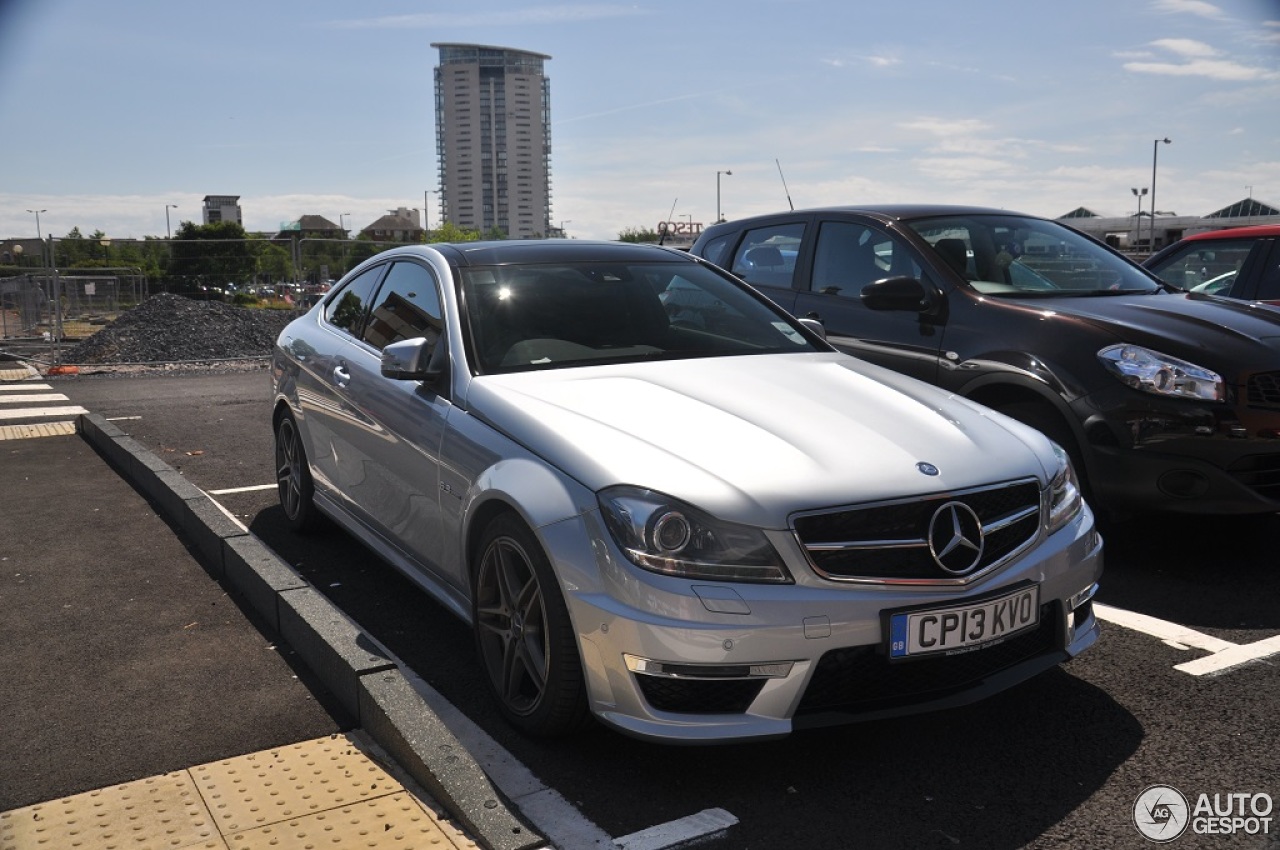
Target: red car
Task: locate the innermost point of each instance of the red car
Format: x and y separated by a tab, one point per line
1238	262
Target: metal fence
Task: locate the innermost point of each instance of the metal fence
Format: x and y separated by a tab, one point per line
68	286
51	305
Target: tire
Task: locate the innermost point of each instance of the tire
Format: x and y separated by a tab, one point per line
293	477
1047	421
524	638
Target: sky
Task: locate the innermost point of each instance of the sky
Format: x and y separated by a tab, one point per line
111	111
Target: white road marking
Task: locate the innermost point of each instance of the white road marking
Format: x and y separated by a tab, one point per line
28	412
1223	654
254	489
122	418
702	825
23	387
1232	657
1179	637
32	398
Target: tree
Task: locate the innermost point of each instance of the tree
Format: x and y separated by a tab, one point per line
632	234
212	254
450	232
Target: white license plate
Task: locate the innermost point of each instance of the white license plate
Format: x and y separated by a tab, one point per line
963	627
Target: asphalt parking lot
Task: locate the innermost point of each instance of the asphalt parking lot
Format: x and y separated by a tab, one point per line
1181	690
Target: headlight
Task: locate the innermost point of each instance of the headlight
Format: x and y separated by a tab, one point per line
1153	372
668	536
1064	492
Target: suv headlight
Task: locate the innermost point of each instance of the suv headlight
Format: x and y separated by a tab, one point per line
668	536
1153	372
1064	492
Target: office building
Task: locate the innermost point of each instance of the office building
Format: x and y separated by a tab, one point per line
222	208
493	139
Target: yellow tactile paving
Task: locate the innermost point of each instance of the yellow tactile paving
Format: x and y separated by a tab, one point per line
393	821
41	429
289	782
328	792
160	812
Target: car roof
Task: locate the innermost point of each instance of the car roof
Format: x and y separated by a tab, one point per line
520	251
883	212
1250	232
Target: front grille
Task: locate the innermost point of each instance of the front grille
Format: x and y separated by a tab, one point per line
1264	390
1260	473
699	696
888	542
862	679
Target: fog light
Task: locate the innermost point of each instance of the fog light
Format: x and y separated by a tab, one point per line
1183	484
677	670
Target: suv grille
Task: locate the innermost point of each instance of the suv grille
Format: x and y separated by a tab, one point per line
1260	473
890	542
1264	390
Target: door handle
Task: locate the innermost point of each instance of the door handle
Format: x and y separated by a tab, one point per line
341	376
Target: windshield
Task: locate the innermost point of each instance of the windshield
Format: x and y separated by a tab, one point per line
523	317
1026	257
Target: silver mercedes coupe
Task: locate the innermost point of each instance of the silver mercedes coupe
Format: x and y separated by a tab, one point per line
660	501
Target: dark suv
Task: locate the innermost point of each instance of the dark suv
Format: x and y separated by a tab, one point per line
1166	400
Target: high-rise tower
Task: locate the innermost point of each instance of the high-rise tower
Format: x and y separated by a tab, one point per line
493	139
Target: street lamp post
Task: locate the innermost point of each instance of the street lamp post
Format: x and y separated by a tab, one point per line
1139	194
564	235
342	223
719	218
168	233
1155	150
39	235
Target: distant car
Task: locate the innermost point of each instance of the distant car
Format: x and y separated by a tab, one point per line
659	499
1238	262
1166	402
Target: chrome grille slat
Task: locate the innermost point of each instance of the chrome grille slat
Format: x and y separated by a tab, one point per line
887	542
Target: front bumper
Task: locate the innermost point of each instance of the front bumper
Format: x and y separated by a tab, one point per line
687	662
1179	457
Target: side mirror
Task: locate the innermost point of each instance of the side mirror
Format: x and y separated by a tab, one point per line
819	329
414	360
898	293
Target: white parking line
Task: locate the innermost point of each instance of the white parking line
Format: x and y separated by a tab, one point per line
254	489
704	824
1232	657
1223	654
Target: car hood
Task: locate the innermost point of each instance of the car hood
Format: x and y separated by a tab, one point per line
1224	334
755	438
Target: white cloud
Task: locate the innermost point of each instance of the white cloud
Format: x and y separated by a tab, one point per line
1211	69
1185	47
521	17
1199	62
1191	7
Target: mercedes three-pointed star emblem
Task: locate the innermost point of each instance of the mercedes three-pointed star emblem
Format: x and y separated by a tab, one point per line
956	540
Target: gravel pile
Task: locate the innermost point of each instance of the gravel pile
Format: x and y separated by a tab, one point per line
169	329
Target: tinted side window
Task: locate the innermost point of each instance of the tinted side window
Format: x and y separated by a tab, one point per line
767	255
848	256
407	306
1209	266
716	250
346	309
1269	281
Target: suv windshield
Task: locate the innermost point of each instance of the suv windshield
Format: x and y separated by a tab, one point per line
523	317
1026	257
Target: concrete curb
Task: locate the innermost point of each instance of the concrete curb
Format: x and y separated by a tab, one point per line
358	670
